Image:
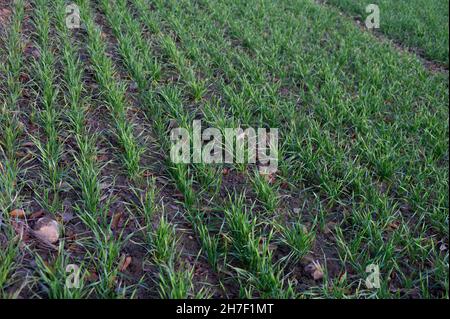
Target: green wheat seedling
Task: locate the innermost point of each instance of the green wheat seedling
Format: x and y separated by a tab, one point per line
164	243
174	284
105	249
298	239
106	246
265	192
210	242
54	276
88	176
148	201
147	207
9	189
209	177
178	284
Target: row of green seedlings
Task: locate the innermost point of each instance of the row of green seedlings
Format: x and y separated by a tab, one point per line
48	111
178	56
173	282
54	277
254	251
86	169
94	211
382	203
10	132
135	52
103	252
11	127
114	92
130	44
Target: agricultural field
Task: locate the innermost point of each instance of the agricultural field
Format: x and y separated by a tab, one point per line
93	203
419	25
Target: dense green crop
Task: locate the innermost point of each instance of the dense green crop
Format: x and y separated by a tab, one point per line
86	117
418	24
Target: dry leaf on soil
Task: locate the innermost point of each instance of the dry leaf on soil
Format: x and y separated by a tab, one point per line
17	213
125	263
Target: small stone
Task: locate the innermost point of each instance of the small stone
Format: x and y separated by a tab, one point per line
47	230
